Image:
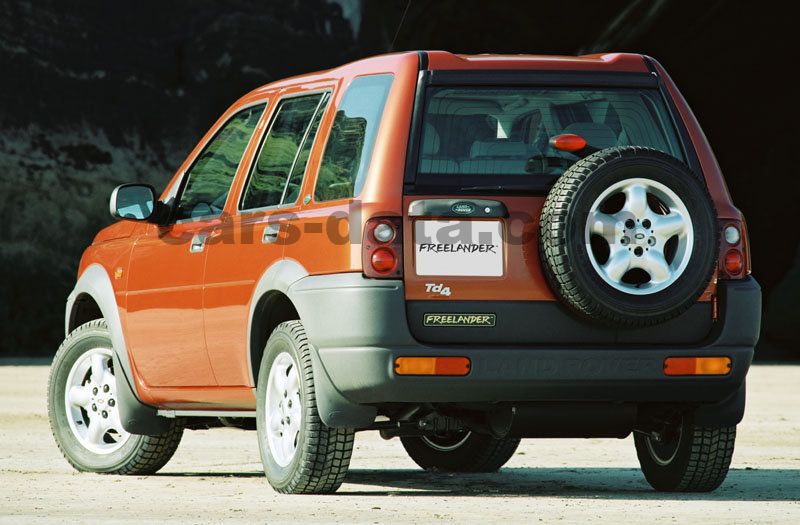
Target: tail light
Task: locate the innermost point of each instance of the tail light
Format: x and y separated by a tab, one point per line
382	248
734	253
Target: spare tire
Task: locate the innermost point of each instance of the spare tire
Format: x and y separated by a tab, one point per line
629	237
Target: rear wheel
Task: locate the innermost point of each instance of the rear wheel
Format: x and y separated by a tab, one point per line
689	459
300	454
83	411
460	451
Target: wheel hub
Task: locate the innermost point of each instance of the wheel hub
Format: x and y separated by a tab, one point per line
656	240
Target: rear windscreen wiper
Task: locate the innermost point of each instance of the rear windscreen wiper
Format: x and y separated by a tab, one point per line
504	187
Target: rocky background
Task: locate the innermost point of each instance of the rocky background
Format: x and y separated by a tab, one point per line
99	93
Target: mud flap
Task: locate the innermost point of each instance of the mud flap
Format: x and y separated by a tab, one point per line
136	417
726	413
334	409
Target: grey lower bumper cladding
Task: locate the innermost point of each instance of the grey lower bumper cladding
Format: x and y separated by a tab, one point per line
358	327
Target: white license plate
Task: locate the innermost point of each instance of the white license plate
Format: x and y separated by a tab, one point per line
472	248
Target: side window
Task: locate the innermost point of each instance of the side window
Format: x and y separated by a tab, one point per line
278	171
349	150
209	179
296	178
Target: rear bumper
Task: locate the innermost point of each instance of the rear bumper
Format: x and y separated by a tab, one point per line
358	327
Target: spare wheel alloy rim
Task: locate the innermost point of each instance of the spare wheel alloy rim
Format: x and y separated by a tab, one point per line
283	414
639	236
90	399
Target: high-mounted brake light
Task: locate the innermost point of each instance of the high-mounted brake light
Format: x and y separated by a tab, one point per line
382	248
568	142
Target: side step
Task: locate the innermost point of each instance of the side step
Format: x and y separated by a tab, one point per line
206	413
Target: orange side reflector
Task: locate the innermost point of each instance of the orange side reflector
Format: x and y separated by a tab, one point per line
432	366
697	366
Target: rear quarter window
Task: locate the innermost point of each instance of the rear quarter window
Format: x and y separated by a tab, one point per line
348	152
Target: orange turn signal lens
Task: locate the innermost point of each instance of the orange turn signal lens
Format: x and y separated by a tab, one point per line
697	366
431	366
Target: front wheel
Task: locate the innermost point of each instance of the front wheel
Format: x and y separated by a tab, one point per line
460	452
690	458
300	454
83	412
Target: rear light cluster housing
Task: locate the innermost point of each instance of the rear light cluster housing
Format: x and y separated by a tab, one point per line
734	253
382	252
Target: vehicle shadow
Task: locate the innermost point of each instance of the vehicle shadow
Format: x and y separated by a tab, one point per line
742	484
601	483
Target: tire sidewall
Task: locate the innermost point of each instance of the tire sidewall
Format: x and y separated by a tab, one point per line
279	476
695	277
77	343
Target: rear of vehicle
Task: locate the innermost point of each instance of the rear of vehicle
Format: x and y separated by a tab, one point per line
547	249
570	268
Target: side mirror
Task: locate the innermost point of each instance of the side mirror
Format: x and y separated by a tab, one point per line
135	202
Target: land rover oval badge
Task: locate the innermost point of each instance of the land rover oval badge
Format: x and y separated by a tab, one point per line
463	208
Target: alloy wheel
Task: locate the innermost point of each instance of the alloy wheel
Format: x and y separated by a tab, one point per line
91	402
283	404
639	236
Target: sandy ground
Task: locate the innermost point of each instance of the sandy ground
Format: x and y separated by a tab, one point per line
216	475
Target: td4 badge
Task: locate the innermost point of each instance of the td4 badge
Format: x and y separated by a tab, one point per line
439	288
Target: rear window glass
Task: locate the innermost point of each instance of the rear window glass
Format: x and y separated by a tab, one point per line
479	137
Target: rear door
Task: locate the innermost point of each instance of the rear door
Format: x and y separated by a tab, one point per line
478	174
254	236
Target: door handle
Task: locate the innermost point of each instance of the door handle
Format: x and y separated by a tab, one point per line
198	242
271	233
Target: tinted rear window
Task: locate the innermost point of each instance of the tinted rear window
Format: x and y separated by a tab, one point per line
490	136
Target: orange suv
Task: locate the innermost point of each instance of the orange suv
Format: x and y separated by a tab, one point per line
459	251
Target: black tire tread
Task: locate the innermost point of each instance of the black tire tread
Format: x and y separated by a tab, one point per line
154	452
494	456
701	464
709	460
